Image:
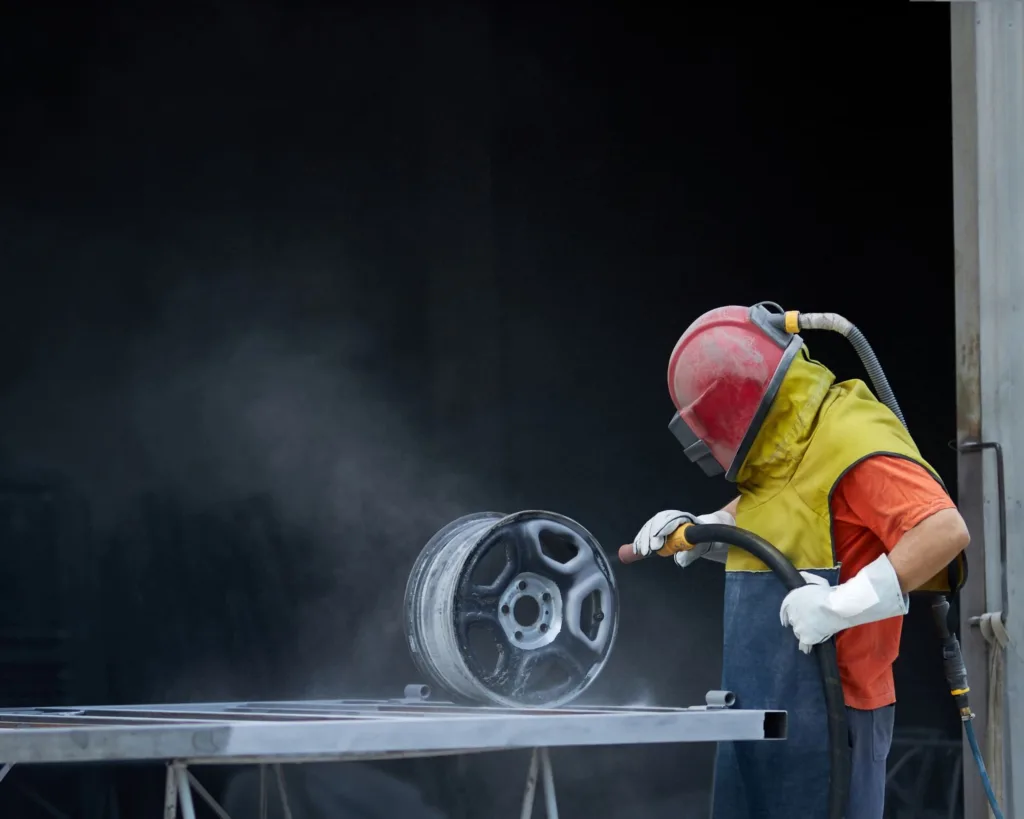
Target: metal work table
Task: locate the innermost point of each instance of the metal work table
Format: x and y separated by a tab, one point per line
271	733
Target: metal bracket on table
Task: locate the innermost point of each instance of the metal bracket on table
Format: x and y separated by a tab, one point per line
719	699
415	692
181	783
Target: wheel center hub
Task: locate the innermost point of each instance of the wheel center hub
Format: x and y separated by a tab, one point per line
530	611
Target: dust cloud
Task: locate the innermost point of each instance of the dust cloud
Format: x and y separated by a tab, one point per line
257	474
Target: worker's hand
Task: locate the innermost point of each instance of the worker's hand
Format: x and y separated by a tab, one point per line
651	538
652	535
806	611
718	552
817	611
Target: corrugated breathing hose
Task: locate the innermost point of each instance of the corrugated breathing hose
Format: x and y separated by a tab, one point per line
837	324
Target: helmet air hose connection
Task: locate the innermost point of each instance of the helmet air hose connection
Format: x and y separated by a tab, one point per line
793	321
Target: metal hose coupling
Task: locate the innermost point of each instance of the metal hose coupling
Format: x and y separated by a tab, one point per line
953	665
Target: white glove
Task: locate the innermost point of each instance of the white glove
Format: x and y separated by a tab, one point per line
818	611
651	538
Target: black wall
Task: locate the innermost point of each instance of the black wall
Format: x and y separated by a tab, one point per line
287	287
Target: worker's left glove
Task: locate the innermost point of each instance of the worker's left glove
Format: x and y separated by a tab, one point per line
818	611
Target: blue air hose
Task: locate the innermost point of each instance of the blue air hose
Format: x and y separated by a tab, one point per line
976	751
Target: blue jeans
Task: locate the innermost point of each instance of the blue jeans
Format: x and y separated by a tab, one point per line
870	739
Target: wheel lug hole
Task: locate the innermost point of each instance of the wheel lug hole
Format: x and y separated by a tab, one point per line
543	628
522	585
546	597
504	609
519	635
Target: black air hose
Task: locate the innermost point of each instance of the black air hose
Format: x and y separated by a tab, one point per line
835	704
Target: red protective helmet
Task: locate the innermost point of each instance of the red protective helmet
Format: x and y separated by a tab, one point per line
723	375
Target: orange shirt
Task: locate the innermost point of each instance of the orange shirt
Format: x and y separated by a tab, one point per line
873	506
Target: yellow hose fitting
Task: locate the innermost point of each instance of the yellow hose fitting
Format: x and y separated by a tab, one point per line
792	321
676	542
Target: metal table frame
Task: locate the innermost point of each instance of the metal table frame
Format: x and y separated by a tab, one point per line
269	734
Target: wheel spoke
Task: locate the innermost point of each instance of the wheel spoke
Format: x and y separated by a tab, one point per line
510	659
570	657
596	631
575	656
496	586
474	615
530	546
473	610
526	540
522	670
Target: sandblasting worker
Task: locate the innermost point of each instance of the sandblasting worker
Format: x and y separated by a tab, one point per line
830	476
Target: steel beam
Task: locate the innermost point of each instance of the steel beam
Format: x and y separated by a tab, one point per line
229	733
988	158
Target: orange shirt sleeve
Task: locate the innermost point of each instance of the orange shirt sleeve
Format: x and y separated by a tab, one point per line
888	495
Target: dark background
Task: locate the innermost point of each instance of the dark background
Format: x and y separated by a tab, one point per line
289	286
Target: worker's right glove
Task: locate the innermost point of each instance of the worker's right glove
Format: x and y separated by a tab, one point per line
818	611
651	537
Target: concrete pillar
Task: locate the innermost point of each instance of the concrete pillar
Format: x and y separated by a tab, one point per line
988	153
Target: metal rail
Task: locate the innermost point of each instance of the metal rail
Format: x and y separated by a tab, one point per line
272	733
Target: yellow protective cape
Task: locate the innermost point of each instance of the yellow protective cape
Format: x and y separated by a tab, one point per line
815	431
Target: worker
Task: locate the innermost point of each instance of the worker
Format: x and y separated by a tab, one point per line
830	476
